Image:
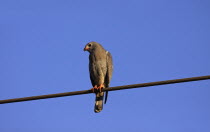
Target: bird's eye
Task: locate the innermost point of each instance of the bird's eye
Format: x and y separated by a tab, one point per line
89	45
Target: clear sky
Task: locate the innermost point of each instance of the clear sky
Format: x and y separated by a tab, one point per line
41	52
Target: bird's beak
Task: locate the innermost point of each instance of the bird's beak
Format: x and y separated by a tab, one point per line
86	49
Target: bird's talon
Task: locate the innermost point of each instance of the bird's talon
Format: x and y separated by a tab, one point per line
94	89
100	87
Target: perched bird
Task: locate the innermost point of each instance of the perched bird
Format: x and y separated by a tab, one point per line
100	68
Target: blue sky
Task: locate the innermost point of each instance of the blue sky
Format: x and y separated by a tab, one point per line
41	52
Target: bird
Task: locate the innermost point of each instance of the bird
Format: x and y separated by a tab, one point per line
100	69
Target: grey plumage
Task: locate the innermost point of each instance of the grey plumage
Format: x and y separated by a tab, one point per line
100	68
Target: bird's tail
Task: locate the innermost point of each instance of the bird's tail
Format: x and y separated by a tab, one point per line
106	96
99	102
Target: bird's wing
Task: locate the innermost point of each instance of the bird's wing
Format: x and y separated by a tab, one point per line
91	71
92	81
109	72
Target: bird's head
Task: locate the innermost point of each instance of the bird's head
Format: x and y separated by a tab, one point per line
91	46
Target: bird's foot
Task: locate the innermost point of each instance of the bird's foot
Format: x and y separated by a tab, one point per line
101	86
94	89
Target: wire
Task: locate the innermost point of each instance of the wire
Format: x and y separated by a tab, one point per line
106	89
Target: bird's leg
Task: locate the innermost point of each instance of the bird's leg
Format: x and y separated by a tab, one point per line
101	86
94	88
